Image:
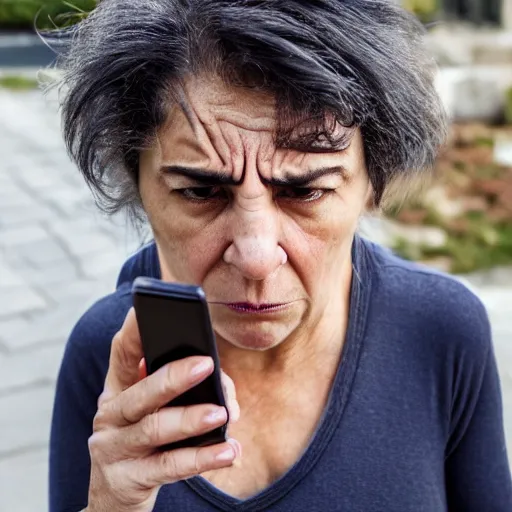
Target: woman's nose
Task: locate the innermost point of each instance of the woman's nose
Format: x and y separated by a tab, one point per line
255	249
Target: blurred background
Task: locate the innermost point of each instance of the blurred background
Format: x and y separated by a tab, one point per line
58	254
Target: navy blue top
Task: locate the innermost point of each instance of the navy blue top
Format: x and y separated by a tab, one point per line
413	422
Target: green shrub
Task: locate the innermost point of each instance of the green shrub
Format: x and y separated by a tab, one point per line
22	13
17	83
426	10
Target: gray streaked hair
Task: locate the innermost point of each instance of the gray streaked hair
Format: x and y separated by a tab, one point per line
361	63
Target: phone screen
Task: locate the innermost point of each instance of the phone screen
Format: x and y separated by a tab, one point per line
174	328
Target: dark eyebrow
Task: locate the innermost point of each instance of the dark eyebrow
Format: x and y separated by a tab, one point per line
203	176
214	178
291	180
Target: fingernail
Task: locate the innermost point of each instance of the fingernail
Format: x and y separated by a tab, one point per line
202	368
235	416
216	415
226	454
236	446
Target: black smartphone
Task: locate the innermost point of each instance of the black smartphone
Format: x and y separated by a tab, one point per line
174	323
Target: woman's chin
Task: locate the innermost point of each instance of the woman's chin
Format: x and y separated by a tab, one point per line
263	331
254	337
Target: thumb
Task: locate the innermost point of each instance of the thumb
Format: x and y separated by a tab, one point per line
125	356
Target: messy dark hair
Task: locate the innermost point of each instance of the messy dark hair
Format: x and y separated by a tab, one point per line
361	63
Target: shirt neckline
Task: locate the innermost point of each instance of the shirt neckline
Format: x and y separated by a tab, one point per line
332	416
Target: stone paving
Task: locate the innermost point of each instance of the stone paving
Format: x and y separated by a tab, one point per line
57	256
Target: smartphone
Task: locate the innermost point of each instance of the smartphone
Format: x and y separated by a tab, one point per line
174	323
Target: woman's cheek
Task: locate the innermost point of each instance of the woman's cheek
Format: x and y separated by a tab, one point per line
190	253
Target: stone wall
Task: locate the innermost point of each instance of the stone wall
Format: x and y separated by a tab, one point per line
506	14
475	70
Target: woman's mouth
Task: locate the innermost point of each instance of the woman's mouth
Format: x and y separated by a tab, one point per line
247	307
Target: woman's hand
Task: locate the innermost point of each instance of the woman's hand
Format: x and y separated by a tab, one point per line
132	421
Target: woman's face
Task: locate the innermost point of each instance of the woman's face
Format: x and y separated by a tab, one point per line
266	231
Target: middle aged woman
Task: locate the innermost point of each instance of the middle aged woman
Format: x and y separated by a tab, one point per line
253	135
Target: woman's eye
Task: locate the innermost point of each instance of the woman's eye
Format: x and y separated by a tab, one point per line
202	193
301	193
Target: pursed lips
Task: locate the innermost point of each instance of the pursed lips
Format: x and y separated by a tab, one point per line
247	307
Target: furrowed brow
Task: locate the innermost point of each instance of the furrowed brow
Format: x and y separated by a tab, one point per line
213	178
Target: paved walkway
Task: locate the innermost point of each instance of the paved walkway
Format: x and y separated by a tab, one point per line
57	255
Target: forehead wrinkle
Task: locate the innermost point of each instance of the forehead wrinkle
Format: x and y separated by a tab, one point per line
235	142
180	139
270	162
211	138
212	98
249	123
229	139
266	158
224	118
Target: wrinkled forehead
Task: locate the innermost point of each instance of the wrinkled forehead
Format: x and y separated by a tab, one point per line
222	127
210	101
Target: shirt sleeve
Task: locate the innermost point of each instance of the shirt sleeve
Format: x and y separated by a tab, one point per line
79	384
476	465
